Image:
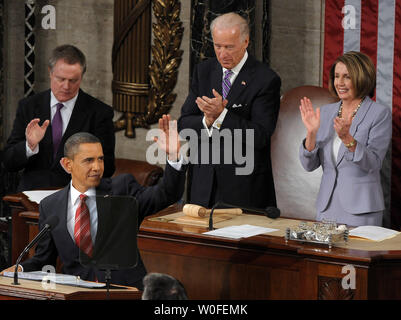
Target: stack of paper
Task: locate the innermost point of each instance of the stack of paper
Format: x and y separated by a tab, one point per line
56	278
237	232
373	233
38	195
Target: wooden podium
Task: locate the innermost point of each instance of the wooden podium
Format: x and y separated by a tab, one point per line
259	267
33	290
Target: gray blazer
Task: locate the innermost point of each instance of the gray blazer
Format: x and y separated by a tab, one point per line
357	174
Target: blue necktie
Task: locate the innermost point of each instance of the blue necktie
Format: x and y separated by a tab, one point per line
226	83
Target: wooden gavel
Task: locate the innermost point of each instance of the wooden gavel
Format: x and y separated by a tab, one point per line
194	210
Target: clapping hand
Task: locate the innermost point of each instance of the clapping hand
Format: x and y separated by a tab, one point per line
211	107
342	126
34	133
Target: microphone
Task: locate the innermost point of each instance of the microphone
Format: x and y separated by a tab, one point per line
270	212
50	223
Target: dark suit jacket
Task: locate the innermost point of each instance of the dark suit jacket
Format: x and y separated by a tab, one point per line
59	242
42	170
253	103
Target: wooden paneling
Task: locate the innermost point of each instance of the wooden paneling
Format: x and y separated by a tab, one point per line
260	267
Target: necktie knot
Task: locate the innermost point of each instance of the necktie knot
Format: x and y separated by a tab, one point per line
59	106
227	74
83	197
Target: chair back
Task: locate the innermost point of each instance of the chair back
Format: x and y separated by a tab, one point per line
296	189
145	173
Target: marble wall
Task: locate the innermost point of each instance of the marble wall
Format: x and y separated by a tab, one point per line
291	42
294	50
87	24
296	44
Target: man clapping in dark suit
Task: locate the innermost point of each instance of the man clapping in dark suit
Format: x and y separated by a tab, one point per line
77	235
234	96
46	120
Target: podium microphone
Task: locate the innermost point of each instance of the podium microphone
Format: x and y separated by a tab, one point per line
270	212
50	223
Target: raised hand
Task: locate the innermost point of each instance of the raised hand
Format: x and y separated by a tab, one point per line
34	133
169	140
310	117
311	120
211	107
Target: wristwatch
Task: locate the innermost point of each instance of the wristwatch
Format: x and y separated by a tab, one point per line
351	144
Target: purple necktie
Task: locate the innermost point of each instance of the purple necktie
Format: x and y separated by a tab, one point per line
226	83
57	129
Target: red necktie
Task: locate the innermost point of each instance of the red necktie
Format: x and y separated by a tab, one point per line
82	229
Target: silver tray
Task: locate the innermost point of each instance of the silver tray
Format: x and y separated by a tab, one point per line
324	233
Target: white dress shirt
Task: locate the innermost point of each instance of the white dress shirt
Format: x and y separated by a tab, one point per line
336	146
218	122
65	112
74	200
73	203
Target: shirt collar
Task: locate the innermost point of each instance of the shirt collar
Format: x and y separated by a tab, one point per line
69	104
74	193
239	66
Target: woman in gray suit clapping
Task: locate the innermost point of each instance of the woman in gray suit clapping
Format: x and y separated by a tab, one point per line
349	139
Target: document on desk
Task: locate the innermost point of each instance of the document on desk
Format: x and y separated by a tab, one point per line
373	233
56	278
38	195
238	232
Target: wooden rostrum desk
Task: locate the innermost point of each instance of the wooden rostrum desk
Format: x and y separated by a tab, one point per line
33	290
260	267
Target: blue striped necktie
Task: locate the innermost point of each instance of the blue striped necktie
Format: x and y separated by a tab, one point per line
226	83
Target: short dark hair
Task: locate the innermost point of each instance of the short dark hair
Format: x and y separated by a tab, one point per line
159	286
70	54
361	70
72	144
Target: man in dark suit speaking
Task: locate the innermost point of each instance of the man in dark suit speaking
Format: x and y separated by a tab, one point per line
46	120
233	106
77	234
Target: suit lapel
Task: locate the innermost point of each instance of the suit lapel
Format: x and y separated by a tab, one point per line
103	212
327	127
216	78
43	113
61	211
241	81
360	115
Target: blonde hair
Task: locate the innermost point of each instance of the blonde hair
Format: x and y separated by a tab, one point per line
229	20
361	71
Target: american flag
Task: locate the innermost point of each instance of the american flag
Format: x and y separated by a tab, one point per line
374	28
